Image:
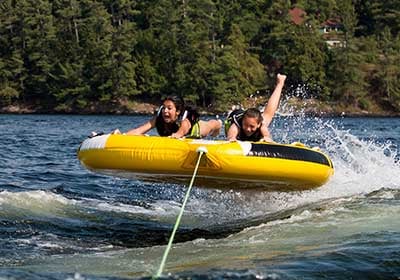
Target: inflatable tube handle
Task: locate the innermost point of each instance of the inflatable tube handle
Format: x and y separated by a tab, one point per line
202	149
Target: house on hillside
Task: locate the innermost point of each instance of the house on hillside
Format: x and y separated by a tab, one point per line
332	30
333	33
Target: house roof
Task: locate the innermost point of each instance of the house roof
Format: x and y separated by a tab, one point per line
297	15
332	22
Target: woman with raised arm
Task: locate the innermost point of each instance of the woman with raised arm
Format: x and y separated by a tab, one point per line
251	124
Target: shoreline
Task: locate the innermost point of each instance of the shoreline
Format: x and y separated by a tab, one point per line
295	108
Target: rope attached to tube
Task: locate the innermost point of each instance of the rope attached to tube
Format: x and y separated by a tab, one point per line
201	151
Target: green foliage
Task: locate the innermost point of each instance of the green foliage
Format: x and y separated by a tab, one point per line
11	68
7	95
71	86
386	14
305	58
70	54
346	77
322	9
387	75
37	38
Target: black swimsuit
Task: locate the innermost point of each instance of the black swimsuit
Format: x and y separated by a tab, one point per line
167	129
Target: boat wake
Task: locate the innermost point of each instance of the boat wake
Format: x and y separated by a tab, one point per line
138	214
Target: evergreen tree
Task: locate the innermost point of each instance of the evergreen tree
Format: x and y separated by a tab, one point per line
374	16
319	9
201	27
366	22
163	25
239	73
11	62
271	36
245	14
346	78
387	77
69	54
69	85
386	14
34	38
148	78
96	40
123	71
296	49
304	58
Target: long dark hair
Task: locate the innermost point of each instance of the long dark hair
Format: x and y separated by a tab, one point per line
163	128
178	102
191	113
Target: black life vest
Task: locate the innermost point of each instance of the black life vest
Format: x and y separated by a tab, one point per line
167	129
236	118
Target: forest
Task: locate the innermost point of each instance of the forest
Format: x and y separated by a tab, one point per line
71	55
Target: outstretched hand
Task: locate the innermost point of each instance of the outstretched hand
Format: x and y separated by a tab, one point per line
280	78
116	131
267	139
177	136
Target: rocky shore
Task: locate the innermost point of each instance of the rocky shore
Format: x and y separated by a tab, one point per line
290	106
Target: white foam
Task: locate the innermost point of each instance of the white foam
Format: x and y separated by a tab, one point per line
32	197
361	167
34	202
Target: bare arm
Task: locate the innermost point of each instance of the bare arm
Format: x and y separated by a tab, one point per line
273	101
183	129
233	132
143	128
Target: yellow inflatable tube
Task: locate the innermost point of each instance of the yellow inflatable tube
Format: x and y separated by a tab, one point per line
226	164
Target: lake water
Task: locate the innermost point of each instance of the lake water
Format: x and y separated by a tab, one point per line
61	221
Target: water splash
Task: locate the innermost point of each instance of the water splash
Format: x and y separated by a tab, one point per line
362	166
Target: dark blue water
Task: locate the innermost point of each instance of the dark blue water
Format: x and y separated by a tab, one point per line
61	221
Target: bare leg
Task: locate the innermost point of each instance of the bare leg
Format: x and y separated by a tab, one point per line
211	127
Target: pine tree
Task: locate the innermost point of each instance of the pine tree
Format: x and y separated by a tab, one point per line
199	30
239	73
165	49
386	14
346	77
387	76
11	63
34	37
123	71
304	58
69	85
319	9
271	37
96	40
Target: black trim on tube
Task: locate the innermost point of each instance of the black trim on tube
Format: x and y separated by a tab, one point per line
287	152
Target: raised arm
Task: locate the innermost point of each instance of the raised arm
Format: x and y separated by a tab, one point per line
273	101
